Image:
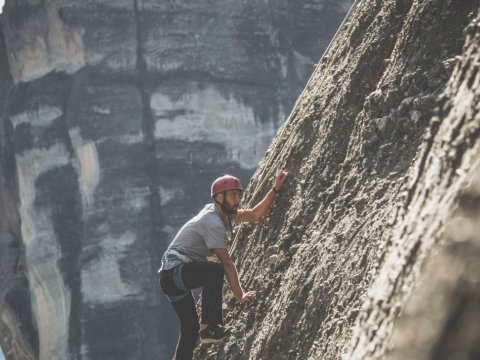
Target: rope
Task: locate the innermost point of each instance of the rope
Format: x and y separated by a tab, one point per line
294	126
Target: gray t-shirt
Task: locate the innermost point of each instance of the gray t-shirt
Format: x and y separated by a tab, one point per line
201	234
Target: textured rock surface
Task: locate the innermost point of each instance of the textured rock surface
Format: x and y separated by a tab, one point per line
444	308
380	146
116	116
445	304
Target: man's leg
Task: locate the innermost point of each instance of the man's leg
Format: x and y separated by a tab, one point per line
187	313
184	306
208	275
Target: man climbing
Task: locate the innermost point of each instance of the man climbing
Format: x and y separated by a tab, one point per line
186	265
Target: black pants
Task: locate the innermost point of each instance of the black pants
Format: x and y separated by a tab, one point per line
204	274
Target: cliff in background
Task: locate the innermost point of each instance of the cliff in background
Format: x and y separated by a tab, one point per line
116	117
382	203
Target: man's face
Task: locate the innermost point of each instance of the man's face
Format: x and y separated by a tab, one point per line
232	200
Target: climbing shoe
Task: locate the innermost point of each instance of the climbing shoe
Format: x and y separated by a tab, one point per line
214	333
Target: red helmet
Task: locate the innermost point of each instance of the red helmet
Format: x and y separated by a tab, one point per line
225	183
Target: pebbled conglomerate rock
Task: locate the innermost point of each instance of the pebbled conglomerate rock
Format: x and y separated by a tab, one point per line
380	146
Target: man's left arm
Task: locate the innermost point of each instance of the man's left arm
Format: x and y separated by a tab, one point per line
259	211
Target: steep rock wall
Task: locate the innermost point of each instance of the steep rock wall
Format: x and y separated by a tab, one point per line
16	322
379	148
445	303
116	118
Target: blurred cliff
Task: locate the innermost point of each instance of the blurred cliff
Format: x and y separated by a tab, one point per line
116	117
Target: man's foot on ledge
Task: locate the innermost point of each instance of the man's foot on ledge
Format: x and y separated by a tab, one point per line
214	333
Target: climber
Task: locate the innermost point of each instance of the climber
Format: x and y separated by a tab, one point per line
186	263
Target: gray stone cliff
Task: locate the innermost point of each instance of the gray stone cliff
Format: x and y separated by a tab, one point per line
116	117
371	250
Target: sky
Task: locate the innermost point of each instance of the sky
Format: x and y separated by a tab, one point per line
1	5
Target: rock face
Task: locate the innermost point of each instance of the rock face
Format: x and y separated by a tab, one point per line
381	147
116	117
445	304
